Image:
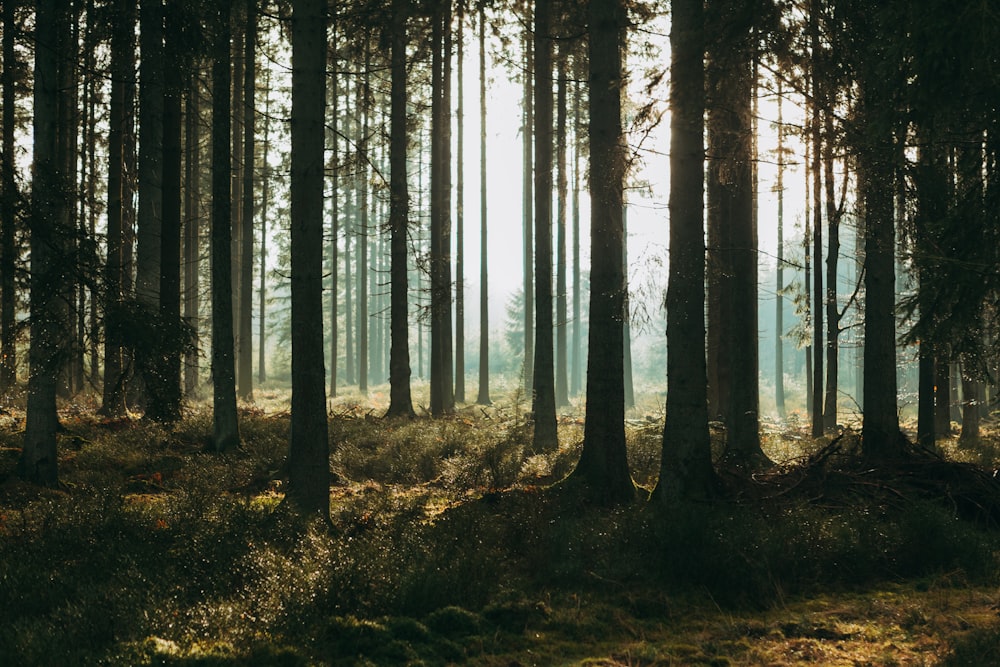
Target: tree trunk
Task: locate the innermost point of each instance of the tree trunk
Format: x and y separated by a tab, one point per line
38	462
361	249
779	307
603	467
164	385
576	373
8	209
192	229
627	321
544	404
265	201
334	206
562	187
245	372
832	265
686	466
527	128
226	429
942	396
880	435
484	314
818	295
460	218
309	447
147	277
122	64
400	402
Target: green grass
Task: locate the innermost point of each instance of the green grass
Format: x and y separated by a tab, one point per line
449	546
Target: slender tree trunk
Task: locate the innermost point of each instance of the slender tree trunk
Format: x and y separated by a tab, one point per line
562	186
363	93
819	297
460	218
970	403
150	153
576	374
122	63
807	290
265	201
832	267
544	404
66	147
447	339
8	209
226	428
400	402
528	176
192	230
484	313
38	463
309	447
627	321
164	385
942	396
686	466
236	184
334	207
603	467
245	373
779	307
349	358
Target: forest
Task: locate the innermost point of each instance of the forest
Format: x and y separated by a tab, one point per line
499	332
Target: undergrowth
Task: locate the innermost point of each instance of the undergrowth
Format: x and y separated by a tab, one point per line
448	545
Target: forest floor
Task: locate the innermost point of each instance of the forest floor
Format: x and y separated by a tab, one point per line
450	544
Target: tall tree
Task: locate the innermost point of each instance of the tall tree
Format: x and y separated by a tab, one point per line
686	466
527	134
147	277
819	297
245	337
192	226
226	434
38	463
164	384
460	214
361	248
400	402
576	374
484	314
122	65
562	186
309	448
730	201
544	398
8	207
779	306
603	466
334	202
265	202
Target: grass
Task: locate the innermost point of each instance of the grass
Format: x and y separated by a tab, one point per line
449	546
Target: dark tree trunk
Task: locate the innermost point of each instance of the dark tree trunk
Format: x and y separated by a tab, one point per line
309	450
484	314
460	218
147	277
562	187
38	462
164	385
779	308
349	357
576	373
627	321
970	402
819	298
544	403
265	201
334	207
400	402
686	466
730	198
527	130
603	467
226	434
122	65
880	435
245	372
192	230
361	250
942	396
8	209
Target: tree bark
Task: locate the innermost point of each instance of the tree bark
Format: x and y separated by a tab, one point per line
686	466
544	403
8	208
226	428
245	372
562	186
192	229
527	129
400	402
484	314
38	463
460	217
309	447
603	467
